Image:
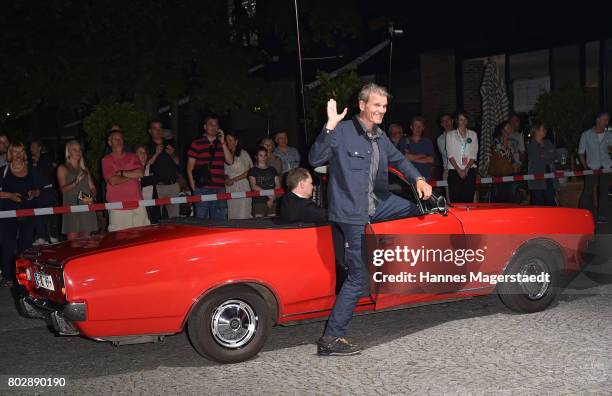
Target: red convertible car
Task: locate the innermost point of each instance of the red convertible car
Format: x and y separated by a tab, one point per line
228	283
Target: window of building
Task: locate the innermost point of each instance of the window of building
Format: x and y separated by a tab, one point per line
528	65
566	67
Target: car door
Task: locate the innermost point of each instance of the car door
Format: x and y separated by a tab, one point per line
429	230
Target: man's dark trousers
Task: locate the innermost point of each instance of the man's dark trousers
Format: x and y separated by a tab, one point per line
356	281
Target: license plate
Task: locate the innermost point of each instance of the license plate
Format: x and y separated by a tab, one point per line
44	281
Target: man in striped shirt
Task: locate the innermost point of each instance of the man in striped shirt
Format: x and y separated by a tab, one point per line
205	171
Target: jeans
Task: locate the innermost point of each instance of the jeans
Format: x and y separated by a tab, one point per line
357	281
544	197
216	210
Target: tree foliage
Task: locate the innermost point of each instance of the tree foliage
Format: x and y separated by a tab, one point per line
67	52
568	112
96	125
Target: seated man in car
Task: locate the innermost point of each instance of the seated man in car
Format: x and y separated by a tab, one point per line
297	205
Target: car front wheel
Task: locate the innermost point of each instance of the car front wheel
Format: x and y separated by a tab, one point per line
524	296
230	325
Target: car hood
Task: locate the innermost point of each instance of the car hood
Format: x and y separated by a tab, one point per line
58	254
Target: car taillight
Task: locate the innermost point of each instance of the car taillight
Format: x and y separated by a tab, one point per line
23	272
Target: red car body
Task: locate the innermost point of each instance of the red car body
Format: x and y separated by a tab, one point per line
148	281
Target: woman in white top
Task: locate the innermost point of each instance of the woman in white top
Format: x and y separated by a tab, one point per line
236	178
462	151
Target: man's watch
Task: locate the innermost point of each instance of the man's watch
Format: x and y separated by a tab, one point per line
419	178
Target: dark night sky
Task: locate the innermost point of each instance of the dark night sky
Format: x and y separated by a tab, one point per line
472	29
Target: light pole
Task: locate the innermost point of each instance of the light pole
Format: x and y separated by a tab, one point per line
392	34
299	46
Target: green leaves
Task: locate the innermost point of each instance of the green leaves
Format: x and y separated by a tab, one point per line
96	125
568	112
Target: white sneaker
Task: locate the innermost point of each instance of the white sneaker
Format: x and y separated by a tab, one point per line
39	242
53	240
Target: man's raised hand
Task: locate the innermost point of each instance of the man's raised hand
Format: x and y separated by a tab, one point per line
333	118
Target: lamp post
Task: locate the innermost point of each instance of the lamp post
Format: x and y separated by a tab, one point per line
392	34
299	46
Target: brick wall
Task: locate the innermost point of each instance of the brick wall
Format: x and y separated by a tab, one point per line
438	88
472	78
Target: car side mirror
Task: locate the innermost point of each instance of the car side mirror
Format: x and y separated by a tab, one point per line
440	204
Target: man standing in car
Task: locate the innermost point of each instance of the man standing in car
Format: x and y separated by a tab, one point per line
358	153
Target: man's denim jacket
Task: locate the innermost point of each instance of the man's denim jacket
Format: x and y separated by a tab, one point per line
349	152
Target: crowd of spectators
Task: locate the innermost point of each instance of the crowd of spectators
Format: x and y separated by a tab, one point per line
216	162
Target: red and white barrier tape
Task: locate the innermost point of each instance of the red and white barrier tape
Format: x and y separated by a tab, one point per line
135	204
249	194
534	176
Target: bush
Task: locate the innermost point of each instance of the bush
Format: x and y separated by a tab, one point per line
568	112
96	125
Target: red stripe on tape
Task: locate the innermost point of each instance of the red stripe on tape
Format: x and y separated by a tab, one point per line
224	196
130	204
61	209
98	206
24	212
162	201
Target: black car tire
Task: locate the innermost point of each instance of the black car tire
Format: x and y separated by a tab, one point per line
515	296
237	302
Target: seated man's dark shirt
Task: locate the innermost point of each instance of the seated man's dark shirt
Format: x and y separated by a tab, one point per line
294	208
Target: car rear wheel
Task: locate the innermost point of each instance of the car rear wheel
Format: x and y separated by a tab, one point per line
230	325
525	296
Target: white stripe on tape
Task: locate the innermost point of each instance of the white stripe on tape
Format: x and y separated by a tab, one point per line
43	211
266	193
239	194
7	214
529	177
146	202
208	197
79	208
114	205
178	200
508	178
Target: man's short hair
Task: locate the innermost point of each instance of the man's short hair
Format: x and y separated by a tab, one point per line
601	114
539	124
295	176
371	88
396	126
154	121
211	116
417	118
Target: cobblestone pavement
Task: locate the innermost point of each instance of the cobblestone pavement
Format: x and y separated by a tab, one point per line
475	346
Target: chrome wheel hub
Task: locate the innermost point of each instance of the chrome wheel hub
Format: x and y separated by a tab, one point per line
233	324
534	290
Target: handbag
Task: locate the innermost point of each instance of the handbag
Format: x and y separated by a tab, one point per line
499	166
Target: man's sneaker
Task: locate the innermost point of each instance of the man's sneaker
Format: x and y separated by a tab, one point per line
53	240
327	346
40	242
